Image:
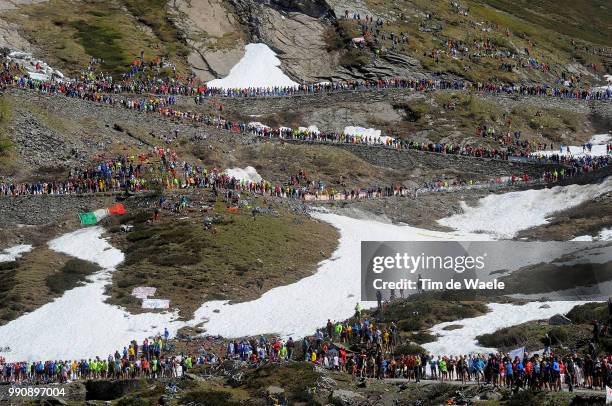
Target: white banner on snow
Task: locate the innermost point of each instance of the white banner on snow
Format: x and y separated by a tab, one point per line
155	303
143	292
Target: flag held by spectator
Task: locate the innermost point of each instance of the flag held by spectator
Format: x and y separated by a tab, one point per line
93	217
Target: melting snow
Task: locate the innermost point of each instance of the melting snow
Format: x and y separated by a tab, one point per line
604	235
259	67
599	148
600	139
462	341
366	132
12	253
332	292
504	215
44	71
248	174
79	324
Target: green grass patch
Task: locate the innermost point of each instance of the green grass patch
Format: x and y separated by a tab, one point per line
6	144
469	111
238	259
546	27
275	162
418	313
154	14
588	312
590	23
409	349
23	282
531	335
70	33
7	302
102	41
71	275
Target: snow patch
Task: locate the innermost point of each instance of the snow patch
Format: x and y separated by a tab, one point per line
257	124
503	216
12	253
248	174
600	139
463	341
312	129
44	72
604	235
367	132
599	148
259	67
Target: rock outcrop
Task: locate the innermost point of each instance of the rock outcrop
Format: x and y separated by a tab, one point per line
215	38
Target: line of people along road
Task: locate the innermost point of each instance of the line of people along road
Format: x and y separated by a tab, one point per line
156	85
361	347
162	167
164	106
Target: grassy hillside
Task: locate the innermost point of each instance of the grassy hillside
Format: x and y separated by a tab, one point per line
531	336
445	114
587	20
6	145
70	33
238	259
549	32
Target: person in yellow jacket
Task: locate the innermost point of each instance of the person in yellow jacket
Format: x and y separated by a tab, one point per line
443	369
74	368
417	368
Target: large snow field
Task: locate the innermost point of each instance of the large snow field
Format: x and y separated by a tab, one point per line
79	324
462	341
12	253
259	67
504	215
298	309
